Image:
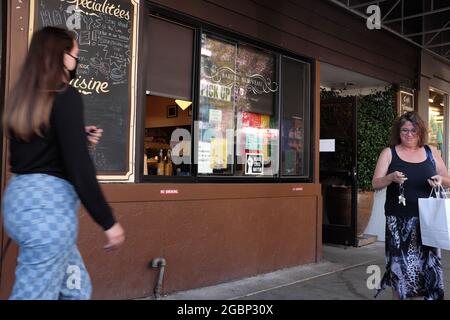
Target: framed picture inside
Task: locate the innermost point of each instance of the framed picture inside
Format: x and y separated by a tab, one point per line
172	111
405	102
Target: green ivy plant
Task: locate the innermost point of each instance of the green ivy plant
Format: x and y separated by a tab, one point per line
375	115
329	94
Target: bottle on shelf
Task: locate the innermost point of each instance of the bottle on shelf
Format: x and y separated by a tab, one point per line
160	165
145	165
168	169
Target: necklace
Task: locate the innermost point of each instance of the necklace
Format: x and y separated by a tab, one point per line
401	197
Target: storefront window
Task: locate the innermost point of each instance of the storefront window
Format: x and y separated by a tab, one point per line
167	138
295	124
257	122
244	91
215	148
436	121
238	123
168	116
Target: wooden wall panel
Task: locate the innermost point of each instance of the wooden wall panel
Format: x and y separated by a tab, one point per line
313	28
204	242
305	24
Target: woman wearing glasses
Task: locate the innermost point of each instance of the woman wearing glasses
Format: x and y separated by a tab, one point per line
409	168
52	170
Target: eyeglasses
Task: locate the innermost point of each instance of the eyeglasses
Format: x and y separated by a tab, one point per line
76	58
406	131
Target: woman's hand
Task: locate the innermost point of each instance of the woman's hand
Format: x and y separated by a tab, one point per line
93	134
115	236
435	181
398	177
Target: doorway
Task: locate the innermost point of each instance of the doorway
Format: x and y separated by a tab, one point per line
338	158
338	169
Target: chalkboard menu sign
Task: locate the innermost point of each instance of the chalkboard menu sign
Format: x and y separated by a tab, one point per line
104	30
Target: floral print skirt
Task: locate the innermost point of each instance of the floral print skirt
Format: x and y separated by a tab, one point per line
412	269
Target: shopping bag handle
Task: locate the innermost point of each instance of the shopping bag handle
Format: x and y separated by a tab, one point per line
439	191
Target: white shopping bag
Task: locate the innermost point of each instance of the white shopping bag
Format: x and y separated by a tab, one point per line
434	215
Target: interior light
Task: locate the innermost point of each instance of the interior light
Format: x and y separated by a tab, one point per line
430	100
206	52
183	104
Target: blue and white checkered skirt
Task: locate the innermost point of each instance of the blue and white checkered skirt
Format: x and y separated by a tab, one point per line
40	214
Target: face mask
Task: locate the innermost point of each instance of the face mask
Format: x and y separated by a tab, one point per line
73	73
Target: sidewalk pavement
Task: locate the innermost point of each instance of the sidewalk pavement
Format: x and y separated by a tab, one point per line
341	275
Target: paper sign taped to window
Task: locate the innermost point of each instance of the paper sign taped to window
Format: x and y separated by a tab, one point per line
254	164
204	157
327	145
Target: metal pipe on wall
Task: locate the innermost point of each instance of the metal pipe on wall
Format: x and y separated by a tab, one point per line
159	262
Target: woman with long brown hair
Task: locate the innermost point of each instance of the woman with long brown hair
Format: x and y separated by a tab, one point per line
409	168
52	171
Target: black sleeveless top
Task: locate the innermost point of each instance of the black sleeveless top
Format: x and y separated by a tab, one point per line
414	188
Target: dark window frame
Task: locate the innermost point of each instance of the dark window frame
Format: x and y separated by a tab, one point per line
227	35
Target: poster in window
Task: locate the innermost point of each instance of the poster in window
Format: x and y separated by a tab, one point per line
216	102
218	153
237	93
254	164
256	86
204	157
